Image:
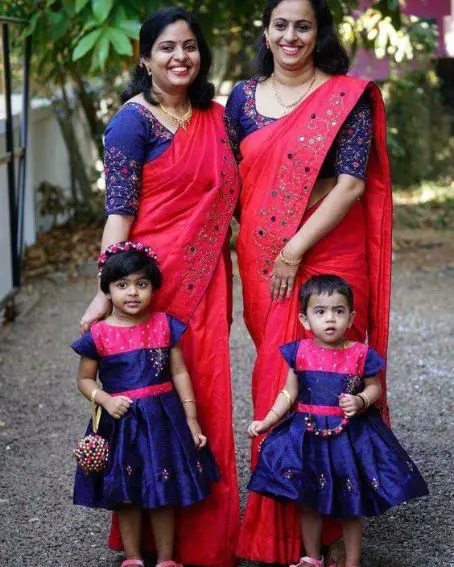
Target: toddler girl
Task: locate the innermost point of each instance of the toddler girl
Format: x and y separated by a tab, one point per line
158	458
334	455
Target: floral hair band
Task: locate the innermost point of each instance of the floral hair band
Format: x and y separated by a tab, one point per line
125	247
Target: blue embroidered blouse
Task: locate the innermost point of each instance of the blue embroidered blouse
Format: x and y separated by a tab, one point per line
348	154
133	138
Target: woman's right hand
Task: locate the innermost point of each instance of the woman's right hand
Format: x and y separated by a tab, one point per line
99	308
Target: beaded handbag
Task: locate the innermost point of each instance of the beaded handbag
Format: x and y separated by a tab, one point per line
92	451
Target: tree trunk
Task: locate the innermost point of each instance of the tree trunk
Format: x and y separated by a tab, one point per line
96	127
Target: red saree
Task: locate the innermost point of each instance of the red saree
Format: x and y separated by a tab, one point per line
280	167
187	199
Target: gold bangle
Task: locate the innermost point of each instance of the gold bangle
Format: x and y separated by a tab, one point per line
275	412
188	401
93	394
288	262
286	395
365	398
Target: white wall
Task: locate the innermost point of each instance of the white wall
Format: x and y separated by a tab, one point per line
47	160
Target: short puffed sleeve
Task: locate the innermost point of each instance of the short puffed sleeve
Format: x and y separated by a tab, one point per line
373	364
177	328
289	352
85	346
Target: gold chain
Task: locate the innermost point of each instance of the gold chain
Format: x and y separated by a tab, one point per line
180	121
277	96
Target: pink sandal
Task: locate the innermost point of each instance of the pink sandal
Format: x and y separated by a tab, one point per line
309	561
169	563
130	562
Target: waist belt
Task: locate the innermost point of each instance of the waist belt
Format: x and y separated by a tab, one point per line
148	391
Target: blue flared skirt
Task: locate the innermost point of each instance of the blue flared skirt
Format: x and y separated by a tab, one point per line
362	472
153	461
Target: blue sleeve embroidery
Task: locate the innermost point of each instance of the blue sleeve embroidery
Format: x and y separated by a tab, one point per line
354	140
289	352
125	144
85	346
374	363
232	117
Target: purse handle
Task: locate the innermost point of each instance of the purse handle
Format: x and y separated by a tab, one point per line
96	411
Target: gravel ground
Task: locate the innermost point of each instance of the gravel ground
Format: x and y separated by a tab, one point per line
42	415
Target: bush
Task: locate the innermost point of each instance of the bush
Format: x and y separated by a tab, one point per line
419	129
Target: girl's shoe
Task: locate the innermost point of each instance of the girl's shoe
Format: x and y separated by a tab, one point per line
131	562
305	561
169	563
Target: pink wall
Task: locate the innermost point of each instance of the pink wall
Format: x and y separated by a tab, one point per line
431	9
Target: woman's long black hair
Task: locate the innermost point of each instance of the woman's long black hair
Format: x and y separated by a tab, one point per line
201	91
330	56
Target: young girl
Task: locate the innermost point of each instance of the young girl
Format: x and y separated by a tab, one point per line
334	455
158	458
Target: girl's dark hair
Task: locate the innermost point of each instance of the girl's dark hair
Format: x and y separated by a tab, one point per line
330	56
124	264
325	284
201	91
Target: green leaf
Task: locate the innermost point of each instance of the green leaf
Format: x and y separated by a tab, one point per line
59	25
85	44
119	41
102	50
130	28
80	5
101	9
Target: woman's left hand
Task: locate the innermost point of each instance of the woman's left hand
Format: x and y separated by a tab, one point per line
282	279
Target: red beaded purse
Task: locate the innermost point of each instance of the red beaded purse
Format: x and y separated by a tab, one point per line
92	452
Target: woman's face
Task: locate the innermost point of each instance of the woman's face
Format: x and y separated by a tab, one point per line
175	58
292	34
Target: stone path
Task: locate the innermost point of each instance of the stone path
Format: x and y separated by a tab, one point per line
42	415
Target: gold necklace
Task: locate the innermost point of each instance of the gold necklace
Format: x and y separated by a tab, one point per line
277	96
180	121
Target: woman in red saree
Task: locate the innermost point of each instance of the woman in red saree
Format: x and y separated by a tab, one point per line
172	183
315	199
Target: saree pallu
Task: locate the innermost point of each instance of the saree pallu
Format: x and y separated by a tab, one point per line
187	199
280	167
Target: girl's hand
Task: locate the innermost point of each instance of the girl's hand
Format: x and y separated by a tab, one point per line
199	439
350	404
282	279
256	428
99	308
117	406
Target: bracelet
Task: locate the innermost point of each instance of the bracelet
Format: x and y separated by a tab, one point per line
275	413
93	394
363	401
188	400
368	403
288	262
286	395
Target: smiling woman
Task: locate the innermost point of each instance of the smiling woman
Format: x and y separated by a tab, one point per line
315	198
172	183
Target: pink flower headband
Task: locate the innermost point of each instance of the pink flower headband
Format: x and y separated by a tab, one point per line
125	247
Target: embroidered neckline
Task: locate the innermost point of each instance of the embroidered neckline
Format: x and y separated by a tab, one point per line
161	130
